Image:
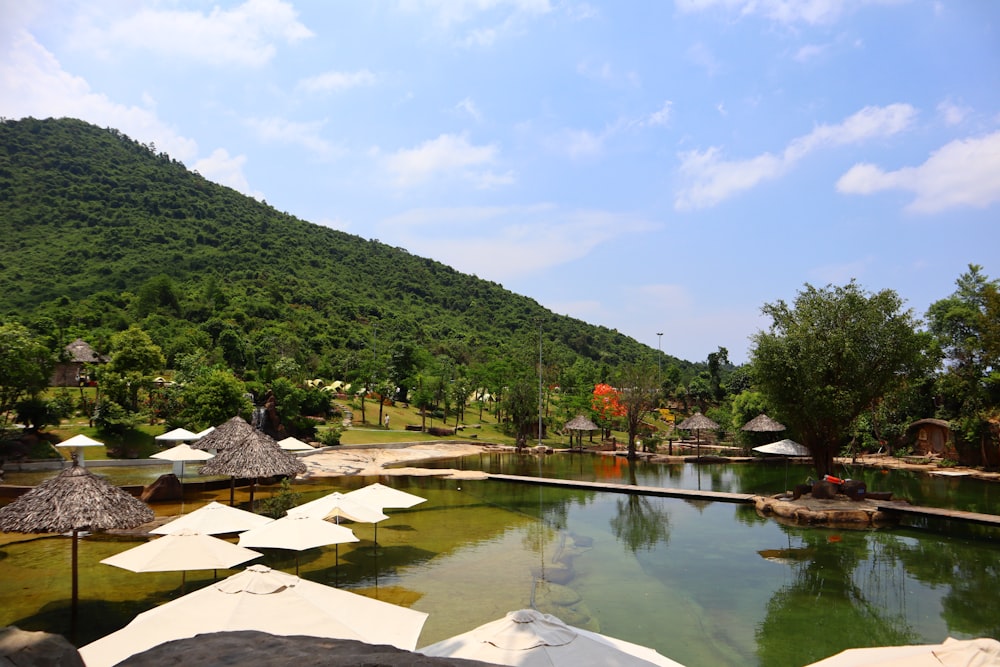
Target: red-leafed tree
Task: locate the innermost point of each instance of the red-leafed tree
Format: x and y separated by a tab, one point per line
606	406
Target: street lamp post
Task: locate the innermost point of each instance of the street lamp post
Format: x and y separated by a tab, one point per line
659	357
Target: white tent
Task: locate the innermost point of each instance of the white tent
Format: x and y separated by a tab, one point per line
214	519
260	598
530	638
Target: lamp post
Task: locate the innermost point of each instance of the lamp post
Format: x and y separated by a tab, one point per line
659	357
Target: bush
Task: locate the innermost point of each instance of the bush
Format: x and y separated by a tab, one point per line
284	500
330	437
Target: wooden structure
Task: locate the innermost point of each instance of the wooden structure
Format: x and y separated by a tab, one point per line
71	371
932	437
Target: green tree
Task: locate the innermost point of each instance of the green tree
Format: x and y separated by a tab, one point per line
831	355
25	367
520	404
135	360
213	398
965	326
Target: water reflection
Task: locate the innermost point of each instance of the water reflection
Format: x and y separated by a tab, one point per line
704	583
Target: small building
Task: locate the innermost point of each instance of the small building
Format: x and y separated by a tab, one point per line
71	371
932	437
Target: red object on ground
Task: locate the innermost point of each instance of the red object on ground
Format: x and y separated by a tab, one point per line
833	480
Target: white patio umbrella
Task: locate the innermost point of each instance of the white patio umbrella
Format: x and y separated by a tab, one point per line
786	448
260	598
182	551
532	639
177	435
181	453
381	497
337	506
214	519
297	532
77	444
294	445
982	652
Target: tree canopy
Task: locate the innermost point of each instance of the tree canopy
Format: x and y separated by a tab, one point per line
830	355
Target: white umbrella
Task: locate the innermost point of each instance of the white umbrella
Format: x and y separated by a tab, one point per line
182	551
267	600
381	496
214	519
982	652
337	505
784	448
181	453
532	639
202	434
297	532
294	445
77	443
177	435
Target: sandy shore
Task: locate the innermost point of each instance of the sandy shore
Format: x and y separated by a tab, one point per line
370	461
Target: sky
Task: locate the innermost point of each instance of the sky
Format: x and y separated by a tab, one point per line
660	168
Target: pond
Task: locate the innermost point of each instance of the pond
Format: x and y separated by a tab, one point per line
703	583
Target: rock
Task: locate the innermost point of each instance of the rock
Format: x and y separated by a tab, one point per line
260	649
824	490
166	487
21	648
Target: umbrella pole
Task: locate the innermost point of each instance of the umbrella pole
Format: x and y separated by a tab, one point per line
232	492
75	597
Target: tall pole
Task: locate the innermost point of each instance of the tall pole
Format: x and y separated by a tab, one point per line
539	385
659	358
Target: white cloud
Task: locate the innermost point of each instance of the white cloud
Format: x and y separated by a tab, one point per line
964	172
447	154
33	83
285	131
809	52
497	18
783	11
711	178
468	106
335	82
605	73
504	242
660	117
226	169
244	35
951	113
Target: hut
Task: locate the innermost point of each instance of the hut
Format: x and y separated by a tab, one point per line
579	424
932	437
71	371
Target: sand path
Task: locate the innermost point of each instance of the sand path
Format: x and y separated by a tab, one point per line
370	461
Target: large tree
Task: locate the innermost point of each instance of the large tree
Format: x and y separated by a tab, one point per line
637	396
831	355
25	367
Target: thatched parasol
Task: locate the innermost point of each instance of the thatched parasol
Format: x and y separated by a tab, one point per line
696	423
72	501
580	423
256	455
762	424
233	433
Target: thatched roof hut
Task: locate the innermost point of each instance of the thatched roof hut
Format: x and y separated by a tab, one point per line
75	499
580	423
698	422
254	455
763	424
69	372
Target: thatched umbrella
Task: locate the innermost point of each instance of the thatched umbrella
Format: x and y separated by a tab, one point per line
74	500
233	433
256	455
763	424
696	423
580	423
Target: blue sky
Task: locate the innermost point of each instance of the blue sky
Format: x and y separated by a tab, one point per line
647	166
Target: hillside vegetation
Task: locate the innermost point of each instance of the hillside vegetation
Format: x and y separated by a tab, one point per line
100	232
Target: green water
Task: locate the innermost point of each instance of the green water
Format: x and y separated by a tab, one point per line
704	583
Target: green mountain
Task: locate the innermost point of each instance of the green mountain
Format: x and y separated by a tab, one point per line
99	232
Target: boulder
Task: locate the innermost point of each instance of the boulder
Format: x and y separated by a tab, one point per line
21	648
824	490
166	487
248	648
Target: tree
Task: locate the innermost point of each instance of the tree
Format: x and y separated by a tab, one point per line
213	398
25	367
637	396
966	326
134	360
606	406
520	404
830	356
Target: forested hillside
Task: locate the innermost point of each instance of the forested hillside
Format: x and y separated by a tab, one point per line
99	232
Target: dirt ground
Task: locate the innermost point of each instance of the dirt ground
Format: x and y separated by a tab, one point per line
370	461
